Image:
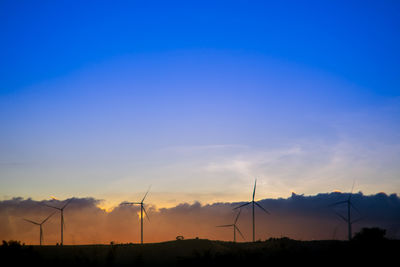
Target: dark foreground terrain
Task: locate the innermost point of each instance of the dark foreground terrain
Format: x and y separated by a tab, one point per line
200	252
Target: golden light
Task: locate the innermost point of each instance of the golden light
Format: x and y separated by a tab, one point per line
105	207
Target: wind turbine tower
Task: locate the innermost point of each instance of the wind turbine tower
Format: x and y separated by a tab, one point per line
253	203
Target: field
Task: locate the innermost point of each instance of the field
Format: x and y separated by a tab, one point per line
200	252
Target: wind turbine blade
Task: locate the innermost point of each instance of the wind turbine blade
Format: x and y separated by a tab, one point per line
357	220
52	207
147	216
226	225
341	216
48	217
31	221
254	190
146	193
69	201
237	217
354	207
242	205
130	203
337	203
258	205
352	188
237	228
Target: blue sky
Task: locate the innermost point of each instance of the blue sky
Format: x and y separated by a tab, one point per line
102	99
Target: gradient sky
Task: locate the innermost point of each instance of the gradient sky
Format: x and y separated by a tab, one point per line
102	99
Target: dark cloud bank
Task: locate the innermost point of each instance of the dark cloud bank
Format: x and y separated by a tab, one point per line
298	217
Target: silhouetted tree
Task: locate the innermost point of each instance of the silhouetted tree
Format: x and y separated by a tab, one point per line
12	244
373	234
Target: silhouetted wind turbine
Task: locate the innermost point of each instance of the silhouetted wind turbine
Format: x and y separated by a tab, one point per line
40	227
334	233
62	218
253	204
142	209
348	218
234	227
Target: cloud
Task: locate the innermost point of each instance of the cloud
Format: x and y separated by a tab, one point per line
299	217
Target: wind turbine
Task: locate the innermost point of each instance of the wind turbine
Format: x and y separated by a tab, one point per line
253	205
40	227
348	218
62	218
234	227
142	209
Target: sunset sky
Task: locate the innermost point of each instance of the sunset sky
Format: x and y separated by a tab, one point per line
103	99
